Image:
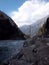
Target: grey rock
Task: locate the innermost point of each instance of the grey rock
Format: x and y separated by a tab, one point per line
28	53
19	62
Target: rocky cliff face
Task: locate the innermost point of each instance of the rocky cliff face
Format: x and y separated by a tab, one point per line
8	29
44	30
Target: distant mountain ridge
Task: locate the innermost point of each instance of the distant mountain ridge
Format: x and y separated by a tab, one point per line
32	29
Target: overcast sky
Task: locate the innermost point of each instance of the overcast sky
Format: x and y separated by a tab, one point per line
25	12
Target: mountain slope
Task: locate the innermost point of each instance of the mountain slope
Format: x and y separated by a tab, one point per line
8	29
32	29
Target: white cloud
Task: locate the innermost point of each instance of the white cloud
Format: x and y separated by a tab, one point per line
30	11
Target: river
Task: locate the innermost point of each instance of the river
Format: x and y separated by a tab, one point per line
9	48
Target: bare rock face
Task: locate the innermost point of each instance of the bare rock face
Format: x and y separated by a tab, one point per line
20	62
47	28
8	29
44	30
43	56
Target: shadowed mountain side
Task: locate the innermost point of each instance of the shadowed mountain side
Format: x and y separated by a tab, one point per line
8	29
44	30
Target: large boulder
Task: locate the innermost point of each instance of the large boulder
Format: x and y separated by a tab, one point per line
8	29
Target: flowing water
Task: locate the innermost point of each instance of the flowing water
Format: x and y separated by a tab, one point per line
9	48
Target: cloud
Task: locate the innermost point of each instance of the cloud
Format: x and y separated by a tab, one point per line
30	11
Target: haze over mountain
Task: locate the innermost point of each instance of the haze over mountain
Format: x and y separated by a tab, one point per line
32	29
